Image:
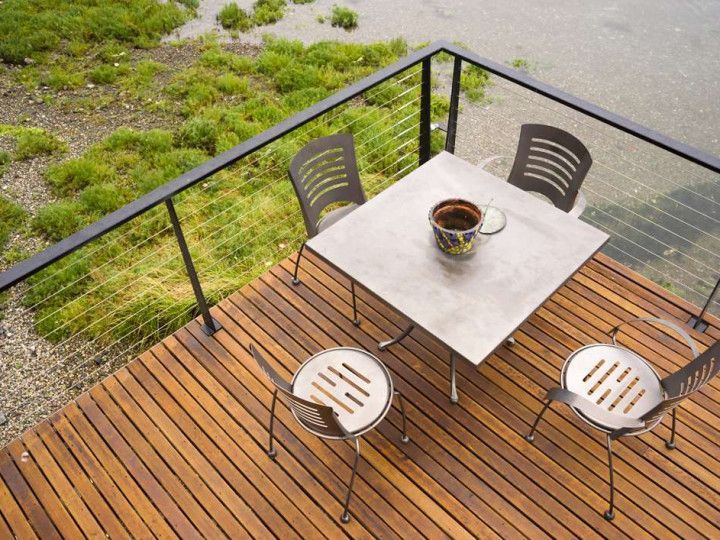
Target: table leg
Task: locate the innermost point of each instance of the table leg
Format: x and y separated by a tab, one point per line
453	388
397	339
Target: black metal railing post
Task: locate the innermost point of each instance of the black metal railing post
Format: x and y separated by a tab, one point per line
454	103
697	322
210	325
425	93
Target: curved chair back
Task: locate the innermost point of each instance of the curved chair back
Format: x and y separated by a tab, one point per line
325	172
686	381
315	417
552	162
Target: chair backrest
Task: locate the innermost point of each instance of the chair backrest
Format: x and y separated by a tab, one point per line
316	418
686	381
325	172
552	162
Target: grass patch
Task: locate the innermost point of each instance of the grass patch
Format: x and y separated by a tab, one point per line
233	17
30	142
344	17
474	82
520	63
31	29
238	222
12	218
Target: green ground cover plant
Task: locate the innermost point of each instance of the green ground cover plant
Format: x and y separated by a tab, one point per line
344	17
30	29
131	284
11	219
30	142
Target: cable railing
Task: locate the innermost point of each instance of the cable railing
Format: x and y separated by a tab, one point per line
648	201
100	296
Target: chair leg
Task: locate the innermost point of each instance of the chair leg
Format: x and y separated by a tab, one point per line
271	447
295	280
355	319
530	437
404	438
453	377
345	517
610	512
670	444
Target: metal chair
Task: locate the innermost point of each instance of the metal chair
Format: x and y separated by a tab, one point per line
552	162
340	394
325	173
619	393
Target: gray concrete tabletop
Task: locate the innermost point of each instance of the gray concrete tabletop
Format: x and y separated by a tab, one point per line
470	302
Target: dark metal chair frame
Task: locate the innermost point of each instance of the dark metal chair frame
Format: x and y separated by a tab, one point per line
675	389
323	173
552	162
321	420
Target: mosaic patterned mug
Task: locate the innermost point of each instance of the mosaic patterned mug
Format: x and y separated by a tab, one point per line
455	223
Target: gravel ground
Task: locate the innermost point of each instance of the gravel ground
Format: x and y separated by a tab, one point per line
36	377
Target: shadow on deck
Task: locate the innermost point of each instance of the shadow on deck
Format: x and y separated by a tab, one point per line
173	443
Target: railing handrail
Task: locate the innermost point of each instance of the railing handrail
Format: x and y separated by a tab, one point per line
695	155
28	267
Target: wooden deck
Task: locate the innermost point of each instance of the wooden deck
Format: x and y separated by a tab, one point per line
173	443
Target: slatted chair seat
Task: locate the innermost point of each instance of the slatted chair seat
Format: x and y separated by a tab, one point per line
356	384
618	392
617	380
340	394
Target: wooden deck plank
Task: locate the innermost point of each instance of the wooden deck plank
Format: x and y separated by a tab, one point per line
174	444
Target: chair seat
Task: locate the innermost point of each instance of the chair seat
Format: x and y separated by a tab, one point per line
614	378
335	215
356	384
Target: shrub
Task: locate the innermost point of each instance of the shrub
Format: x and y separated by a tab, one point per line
59	220
474	81
35	142
521	64
5	160
198	132
229	83
233	17
102	198
11	218
31	141
268	11
76	174
344	17
104	74
61	79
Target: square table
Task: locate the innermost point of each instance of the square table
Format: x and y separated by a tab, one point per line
473	302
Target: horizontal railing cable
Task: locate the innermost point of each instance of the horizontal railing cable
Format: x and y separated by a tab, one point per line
611	137
607	167
215	181
89	346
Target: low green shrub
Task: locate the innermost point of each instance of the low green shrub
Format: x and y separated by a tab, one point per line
102	199
344	17
5	159
11	219
59	78
59	220
198	132
268	11
31	142
233	17
30	28
474	82
76	174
